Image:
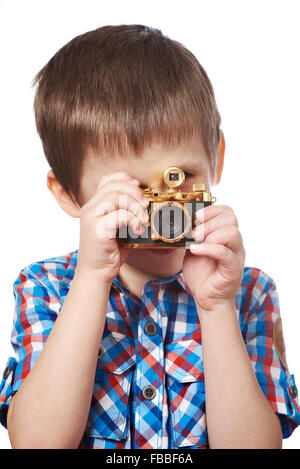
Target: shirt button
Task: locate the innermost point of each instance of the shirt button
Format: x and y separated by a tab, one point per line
6	372
149	392
101	351
293	391
150	328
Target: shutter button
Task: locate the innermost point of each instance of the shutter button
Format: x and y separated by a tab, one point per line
101	351
150	328
6	372
149	392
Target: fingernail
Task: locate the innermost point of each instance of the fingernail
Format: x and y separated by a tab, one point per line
196	247
138	225
139	228
199	235
200	214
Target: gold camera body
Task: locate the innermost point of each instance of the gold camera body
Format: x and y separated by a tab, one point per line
172	215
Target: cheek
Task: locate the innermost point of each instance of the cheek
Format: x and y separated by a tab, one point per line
85	194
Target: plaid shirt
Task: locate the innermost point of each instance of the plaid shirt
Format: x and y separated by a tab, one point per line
149	389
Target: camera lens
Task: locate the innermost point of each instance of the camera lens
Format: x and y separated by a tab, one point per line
170	221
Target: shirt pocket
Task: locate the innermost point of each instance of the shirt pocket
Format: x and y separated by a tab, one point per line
186	393
109	413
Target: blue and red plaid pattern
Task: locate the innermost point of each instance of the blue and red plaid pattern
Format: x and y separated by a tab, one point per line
169	359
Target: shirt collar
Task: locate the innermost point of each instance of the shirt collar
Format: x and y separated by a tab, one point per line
71	262
178	277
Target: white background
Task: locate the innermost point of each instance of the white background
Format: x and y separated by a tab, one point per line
250	50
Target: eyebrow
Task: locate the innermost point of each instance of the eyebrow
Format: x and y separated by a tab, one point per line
190	165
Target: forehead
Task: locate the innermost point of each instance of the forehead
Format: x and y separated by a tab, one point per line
149	164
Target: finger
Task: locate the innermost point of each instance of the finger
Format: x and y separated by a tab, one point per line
210	211
201	232
228	236
119	176
116	200
225	257
107	226
124	188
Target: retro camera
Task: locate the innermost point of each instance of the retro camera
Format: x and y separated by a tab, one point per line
172	215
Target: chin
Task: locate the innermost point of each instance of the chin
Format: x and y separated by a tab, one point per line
165	262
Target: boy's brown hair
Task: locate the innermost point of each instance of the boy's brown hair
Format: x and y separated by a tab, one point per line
116	90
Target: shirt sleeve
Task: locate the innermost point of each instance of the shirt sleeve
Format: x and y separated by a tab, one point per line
35	312
265	345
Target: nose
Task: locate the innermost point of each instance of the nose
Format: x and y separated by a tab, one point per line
158	184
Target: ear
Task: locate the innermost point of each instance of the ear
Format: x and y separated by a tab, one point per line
220	162
73	209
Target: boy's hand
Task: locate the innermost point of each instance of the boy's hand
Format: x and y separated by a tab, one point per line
117	201
213	270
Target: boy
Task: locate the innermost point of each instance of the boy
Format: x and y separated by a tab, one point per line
138	348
